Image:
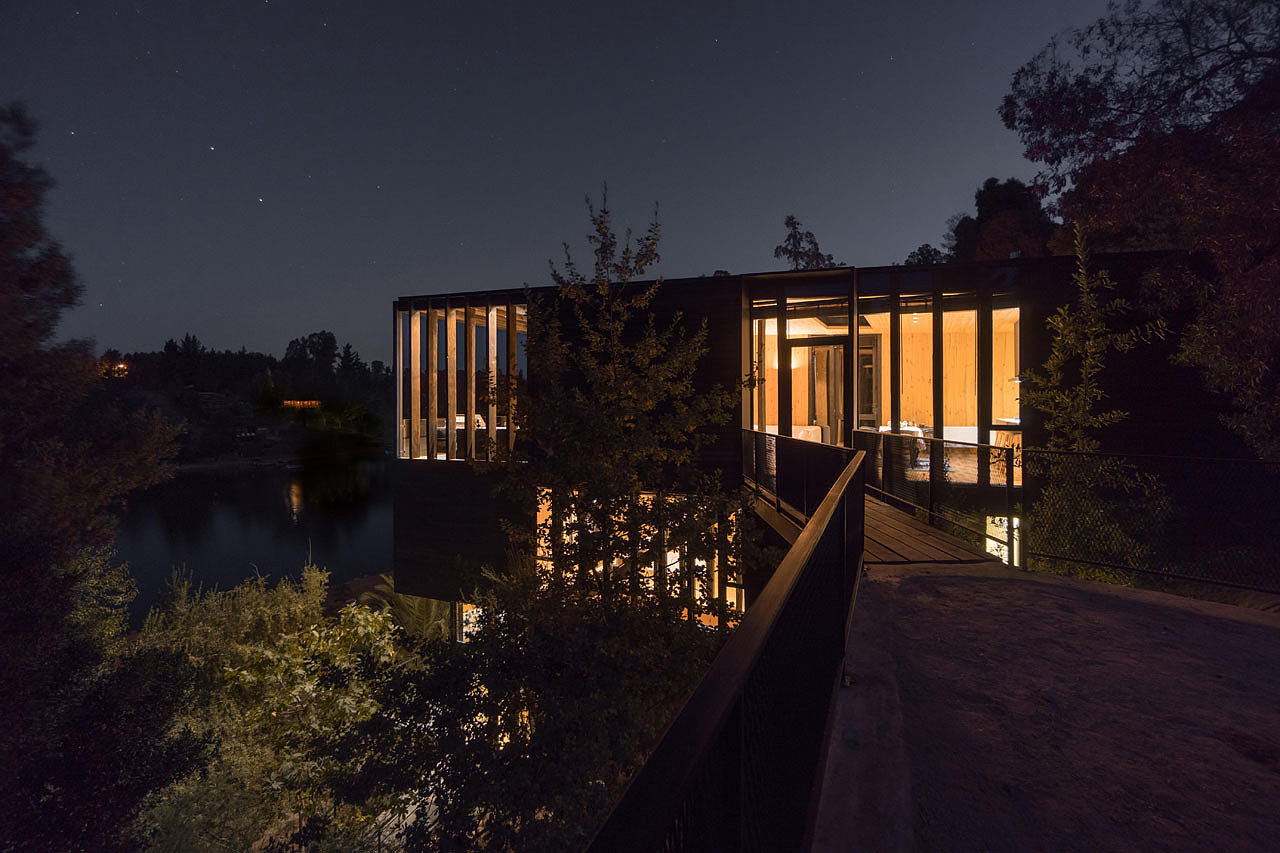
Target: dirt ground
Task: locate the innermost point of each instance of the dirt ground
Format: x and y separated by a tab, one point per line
999	710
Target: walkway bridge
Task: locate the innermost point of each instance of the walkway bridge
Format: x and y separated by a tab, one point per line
964	704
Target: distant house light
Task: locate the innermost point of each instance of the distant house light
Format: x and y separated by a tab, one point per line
300	404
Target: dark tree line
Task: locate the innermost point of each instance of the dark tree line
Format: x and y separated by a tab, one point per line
1159	124
219	393
85	718
1010	221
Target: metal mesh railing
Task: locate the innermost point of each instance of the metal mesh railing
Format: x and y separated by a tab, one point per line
972	491
1206	520
736	769
1100	515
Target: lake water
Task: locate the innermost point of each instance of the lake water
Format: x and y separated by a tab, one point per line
223	526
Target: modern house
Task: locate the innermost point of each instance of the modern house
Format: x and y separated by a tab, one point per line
918	365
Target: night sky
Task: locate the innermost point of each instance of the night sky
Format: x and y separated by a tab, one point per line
251	172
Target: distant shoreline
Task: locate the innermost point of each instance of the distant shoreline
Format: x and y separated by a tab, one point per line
237	462
279	460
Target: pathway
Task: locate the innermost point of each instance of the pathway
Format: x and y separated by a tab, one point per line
993	709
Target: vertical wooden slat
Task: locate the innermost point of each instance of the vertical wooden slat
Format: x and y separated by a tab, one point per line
937	450
784	363
744	339
851	401
451	381
433	380
984	374
512	365
762	397
895	355
469	361
491	377
939	388
415	384
397	360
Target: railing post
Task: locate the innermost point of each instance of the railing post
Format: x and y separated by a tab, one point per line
735	798
1008	504
935	474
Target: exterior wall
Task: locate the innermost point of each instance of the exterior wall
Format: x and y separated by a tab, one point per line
446	526
986	321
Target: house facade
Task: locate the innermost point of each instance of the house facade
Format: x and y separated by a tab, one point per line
827	356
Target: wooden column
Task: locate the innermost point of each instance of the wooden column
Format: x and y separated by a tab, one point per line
415	384
469	362
851	401
512	365
433	380
937	455
744	339
984	376
491	377
451	382
784	363
895	356
397	360
939	398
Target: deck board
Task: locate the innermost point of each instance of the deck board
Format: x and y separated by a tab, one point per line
893	536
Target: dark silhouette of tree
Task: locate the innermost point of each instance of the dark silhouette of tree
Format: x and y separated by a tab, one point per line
926	254
1159	123
1143	70
583	653
1095	505
1010	222
800	248
85	723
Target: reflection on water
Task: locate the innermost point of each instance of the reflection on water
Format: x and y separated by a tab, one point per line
227	525
295	500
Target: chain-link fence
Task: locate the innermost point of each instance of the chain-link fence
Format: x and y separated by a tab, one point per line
1208	520
972	491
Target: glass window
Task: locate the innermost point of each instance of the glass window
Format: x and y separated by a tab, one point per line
764	408
438	381
873	362
915	329
763	305
403	383
522	336
960	367
817	393
1006	451
1005	362
816	317
502	389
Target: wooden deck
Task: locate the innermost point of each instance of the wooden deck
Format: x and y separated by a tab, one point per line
893	536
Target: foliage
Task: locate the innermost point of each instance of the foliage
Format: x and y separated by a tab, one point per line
1143	70
612	432
538	721
80	758
1091	506
522	737
1010	222
231	401
85	718
800	248
1164	130
280	683
424	618
926	254
1066	391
